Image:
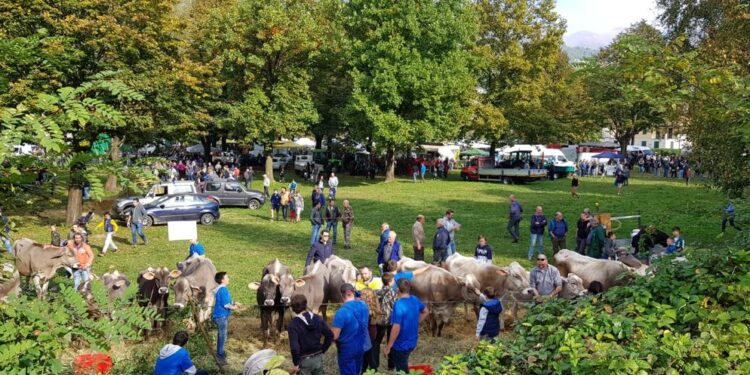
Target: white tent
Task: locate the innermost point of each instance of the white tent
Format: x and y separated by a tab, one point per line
306	142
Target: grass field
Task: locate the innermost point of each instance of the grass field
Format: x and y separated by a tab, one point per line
243	241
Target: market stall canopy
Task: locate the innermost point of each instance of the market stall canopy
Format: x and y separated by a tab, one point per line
305	142
475	152
286	144
608	155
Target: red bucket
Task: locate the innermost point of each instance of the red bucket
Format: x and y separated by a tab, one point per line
426	369
89	364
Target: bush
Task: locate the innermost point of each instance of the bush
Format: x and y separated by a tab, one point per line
35	333
691	317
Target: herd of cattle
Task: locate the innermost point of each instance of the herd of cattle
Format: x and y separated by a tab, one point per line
460	281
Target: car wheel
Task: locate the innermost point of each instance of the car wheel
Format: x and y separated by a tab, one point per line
254	204
148	221
207	219
464	177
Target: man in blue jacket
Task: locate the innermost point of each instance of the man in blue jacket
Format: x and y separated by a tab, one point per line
222	309
385	232
174	359
538	223
440	243
558	230
321	251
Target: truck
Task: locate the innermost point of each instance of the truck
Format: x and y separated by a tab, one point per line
561	165
515	167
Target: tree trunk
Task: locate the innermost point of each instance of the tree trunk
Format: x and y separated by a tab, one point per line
623	141
390	165
114	155
318	142
206	142
269	162
493	146
75	203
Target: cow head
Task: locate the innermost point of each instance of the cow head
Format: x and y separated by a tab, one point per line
268	286
516	277
161	277
470	289
67	258
573	287
116	283
184	292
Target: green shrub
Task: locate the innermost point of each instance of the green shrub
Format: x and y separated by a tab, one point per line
35	333
690	318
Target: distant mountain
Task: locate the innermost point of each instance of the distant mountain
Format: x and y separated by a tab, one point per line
589	39
578	53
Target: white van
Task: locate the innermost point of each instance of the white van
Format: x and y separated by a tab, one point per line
563	166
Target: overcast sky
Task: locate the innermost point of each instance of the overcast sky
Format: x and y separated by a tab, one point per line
602	16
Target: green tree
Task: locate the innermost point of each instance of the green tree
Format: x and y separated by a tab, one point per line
519	70
627	92
410	66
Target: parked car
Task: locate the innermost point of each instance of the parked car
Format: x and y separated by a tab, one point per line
233	193
181	207
124	205
301	161
280	159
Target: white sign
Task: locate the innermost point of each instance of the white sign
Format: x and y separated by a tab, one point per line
182	230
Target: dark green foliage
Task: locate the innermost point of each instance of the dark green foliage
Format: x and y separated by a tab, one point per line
691	317
34	333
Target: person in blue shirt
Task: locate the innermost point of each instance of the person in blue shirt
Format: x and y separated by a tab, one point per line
351	332
679	242
222	309
671	248
728	217
196	248
408	312
174	359
488	324
275	205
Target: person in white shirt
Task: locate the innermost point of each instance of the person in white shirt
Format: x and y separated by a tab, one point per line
266	185
333	184
451	226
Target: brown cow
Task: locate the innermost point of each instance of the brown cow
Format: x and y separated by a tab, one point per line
312	285
116	283
196	283
502	279
40	262
10	282
441	291
273	293
153	289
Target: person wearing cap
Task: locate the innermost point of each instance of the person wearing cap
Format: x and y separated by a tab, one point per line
408	312
350	331
544	279
598	238
440	243
305	331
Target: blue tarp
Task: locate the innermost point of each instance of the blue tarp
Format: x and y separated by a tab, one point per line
608	155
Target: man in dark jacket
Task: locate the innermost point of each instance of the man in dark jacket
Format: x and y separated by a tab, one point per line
597	240
582	232
332	218
558	230
305	331
322	250
440	243
514	218
316	220
385	231
538	223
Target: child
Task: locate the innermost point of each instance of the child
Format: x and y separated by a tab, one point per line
275	204
488	325
679	242
671	248
56	240
610	246
222	309
110	227
483	251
